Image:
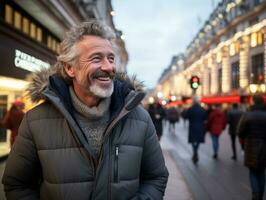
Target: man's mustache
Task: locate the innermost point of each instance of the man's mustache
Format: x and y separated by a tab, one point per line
100	73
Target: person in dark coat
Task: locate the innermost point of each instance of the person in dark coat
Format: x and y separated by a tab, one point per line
157	114
233	118
90	138
172	115
196	116
216	124
13	118
252	129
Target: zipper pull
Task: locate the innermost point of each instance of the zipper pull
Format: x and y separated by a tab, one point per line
116	151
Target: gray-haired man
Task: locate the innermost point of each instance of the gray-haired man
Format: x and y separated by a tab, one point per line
90	139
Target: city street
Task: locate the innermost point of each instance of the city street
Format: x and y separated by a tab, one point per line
209	179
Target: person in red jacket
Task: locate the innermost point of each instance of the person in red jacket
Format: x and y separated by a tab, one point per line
13	118
216	124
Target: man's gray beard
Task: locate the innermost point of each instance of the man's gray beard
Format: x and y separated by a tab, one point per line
102	92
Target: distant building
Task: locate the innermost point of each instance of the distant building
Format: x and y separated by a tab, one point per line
228	54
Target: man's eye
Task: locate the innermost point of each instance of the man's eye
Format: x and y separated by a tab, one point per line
96	59
111	59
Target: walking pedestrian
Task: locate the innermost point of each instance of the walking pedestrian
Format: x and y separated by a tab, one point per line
252	129
233	118
90	138
157	114
196	116
173	117
13	118
216	124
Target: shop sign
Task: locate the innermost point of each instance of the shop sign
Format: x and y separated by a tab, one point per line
28	62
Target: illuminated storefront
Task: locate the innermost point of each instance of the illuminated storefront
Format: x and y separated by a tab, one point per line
25	47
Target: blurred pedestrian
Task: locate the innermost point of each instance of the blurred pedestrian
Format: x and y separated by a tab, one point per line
233	118
90	138
13	118
183	115
196	116
216	124
252	129
172	115
157	114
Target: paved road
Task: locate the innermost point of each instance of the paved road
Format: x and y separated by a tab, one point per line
221	179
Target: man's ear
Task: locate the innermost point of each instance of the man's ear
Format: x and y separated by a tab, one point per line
69	70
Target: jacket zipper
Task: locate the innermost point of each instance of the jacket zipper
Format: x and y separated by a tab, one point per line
116	167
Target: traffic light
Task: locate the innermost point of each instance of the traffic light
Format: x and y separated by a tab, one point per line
194	82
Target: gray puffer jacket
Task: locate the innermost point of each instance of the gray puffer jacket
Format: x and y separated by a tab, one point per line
52	160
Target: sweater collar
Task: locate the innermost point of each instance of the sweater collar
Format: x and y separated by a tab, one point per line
92	113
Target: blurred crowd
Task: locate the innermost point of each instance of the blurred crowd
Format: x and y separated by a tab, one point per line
246	125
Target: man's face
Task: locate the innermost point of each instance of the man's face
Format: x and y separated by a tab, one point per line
96	68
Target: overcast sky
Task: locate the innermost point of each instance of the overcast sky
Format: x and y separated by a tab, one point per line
155	30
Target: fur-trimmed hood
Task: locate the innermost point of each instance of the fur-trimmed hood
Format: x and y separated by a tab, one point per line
40	80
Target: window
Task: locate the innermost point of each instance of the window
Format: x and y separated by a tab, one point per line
257	69
220	79
32	30
25	25
53	44
49	42
219	57
8	14
235	75
39	34
17	21
256	39
260	38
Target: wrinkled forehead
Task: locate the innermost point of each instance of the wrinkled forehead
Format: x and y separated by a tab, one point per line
96	43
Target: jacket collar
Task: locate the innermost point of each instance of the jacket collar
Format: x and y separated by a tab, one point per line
49	79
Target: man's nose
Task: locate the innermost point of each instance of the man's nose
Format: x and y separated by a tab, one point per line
108	66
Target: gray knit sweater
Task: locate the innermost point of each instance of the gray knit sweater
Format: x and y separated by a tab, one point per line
92	120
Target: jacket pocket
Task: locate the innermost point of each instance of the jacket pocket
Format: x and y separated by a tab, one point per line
116	166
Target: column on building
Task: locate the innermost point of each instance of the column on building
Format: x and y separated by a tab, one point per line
205	81
214	73
226	70
243	62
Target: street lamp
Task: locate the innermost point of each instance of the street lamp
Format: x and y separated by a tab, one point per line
253	88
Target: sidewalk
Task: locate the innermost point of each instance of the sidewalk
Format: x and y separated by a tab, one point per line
176	187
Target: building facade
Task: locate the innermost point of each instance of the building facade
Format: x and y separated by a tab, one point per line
228	55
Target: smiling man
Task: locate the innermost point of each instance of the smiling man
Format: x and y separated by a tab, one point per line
90	138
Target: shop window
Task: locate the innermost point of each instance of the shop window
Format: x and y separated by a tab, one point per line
25	25
32	30
8	14
257	69
39	34
235	75
17	21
